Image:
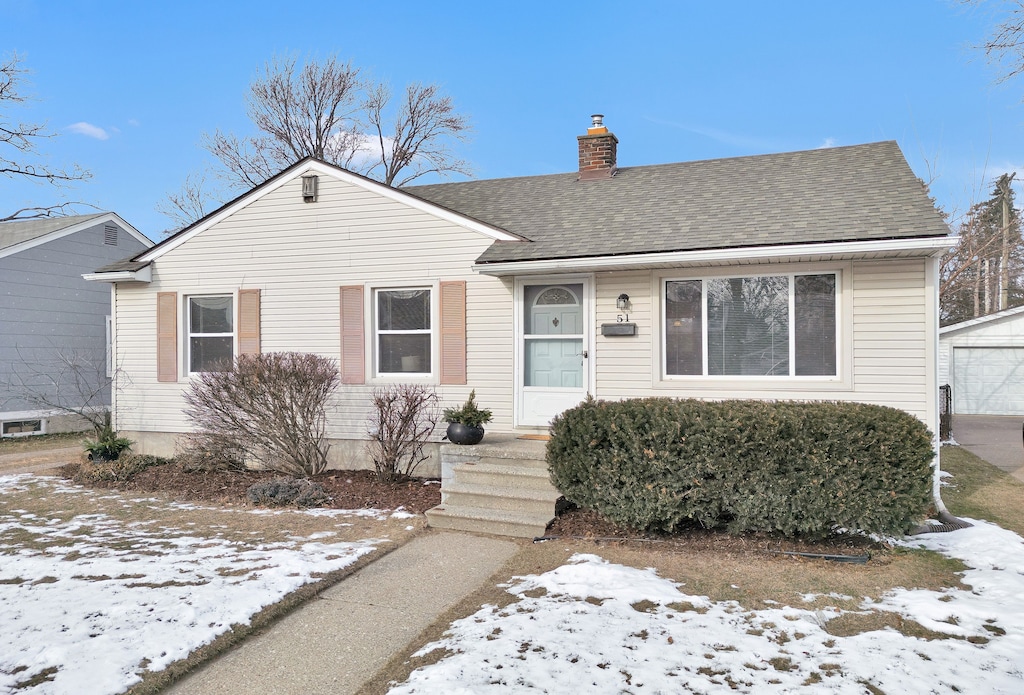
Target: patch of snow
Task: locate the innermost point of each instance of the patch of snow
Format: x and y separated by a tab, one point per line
594	626
96	598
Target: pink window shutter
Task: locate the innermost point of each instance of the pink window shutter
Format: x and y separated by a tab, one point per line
249	322
453	332
352	345
167	336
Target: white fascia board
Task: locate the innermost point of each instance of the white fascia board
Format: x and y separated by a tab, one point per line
1005	313
73	229
140	275
930	246
346	177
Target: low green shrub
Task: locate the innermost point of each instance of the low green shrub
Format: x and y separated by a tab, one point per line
119	470
288	492
793	468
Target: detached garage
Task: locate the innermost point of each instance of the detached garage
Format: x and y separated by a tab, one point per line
983	361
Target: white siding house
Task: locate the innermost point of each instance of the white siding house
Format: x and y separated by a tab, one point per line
807	275
982	360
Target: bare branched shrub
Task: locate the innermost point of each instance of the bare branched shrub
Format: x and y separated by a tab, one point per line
402	420
270	409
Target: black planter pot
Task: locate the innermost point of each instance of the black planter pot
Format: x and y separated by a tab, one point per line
464	434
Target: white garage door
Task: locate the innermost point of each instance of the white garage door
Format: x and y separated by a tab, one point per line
988	381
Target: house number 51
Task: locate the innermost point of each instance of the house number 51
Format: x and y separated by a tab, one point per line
622	318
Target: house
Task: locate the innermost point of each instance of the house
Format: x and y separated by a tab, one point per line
982	360
802	275
53	324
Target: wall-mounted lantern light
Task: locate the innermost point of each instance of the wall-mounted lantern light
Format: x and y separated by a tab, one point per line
622	303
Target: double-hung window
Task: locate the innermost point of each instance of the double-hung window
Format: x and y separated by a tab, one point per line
211	336
767	325
402	332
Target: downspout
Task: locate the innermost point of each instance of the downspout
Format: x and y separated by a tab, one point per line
948	521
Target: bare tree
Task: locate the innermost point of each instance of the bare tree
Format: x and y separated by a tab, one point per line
1005	45
983	273
327	110
188	204
416	143
19	141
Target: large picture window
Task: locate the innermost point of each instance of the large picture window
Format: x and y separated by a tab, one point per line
769	325
211	336
403	331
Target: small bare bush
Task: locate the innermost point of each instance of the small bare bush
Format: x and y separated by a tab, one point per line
269	410
288	492
400	425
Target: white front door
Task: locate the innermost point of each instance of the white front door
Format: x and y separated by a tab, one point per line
553	359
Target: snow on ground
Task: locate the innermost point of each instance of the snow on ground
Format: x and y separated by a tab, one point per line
592	626
101	601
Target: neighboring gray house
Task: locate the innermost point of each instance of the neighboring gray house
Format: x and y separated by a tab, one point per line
982	360
51	318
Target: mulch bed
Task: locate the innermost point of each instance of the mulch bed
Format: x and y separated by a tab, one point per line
348	489
363	490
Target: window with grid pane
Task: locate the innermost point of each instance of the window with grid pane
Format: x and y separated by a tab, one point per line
211	337
403	331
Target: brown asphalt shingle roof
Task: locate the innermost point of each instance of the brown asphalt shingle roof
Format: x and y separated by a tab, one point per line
857	193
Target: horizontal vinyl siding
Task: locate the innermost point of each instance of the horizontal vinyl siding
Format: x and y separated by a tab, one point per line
47	311
298	255
885	338
889	356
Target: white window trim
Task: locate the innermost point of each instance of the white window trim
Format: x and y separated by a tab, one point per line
372	344
841	381
186	332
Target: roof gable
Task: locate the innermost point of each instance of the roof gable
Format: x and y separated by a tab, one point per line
983	321
843	194
317	167
20	235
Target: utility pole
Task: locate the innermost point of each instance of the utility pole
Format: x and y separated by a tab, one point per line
1004	260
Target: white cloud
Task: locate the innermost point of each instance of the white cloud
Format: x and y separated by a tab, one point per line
89	130
134	122
827	143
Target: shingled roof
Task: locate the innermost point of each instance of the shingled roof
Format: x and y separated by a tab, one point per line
19	231
841	194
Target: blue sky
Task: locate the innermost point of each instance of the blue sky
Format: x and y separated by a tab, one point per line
677	81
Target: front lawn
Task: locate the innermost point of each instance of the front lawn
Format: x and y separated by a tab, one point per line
935	613
99	589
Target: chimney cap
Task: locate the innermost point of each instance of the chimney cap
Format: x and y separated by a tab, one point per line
597	126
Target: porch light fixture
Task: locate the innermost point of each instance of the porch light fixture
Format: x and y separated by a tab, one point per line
622	303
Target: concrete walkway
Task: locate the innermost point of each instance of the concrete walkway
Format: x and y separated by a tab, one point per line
338	641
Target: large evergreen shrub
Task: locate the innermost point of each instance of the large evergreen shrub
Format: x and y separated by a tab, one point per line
793	468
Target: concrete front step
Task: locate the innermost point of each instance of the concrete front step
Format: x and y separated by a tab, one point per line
506	475
531	502
485	520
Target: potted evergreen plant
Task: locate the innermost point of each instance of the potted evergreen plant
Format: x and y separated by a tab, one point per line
465	424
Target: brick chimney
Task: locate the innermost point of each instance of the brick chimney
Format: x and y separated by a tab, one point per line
597	151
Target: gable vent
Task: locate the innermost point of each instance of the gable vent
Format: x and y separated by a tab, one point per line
110	234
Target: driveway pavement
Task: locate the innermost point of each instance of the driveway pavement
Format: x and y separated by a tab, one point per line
999	439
